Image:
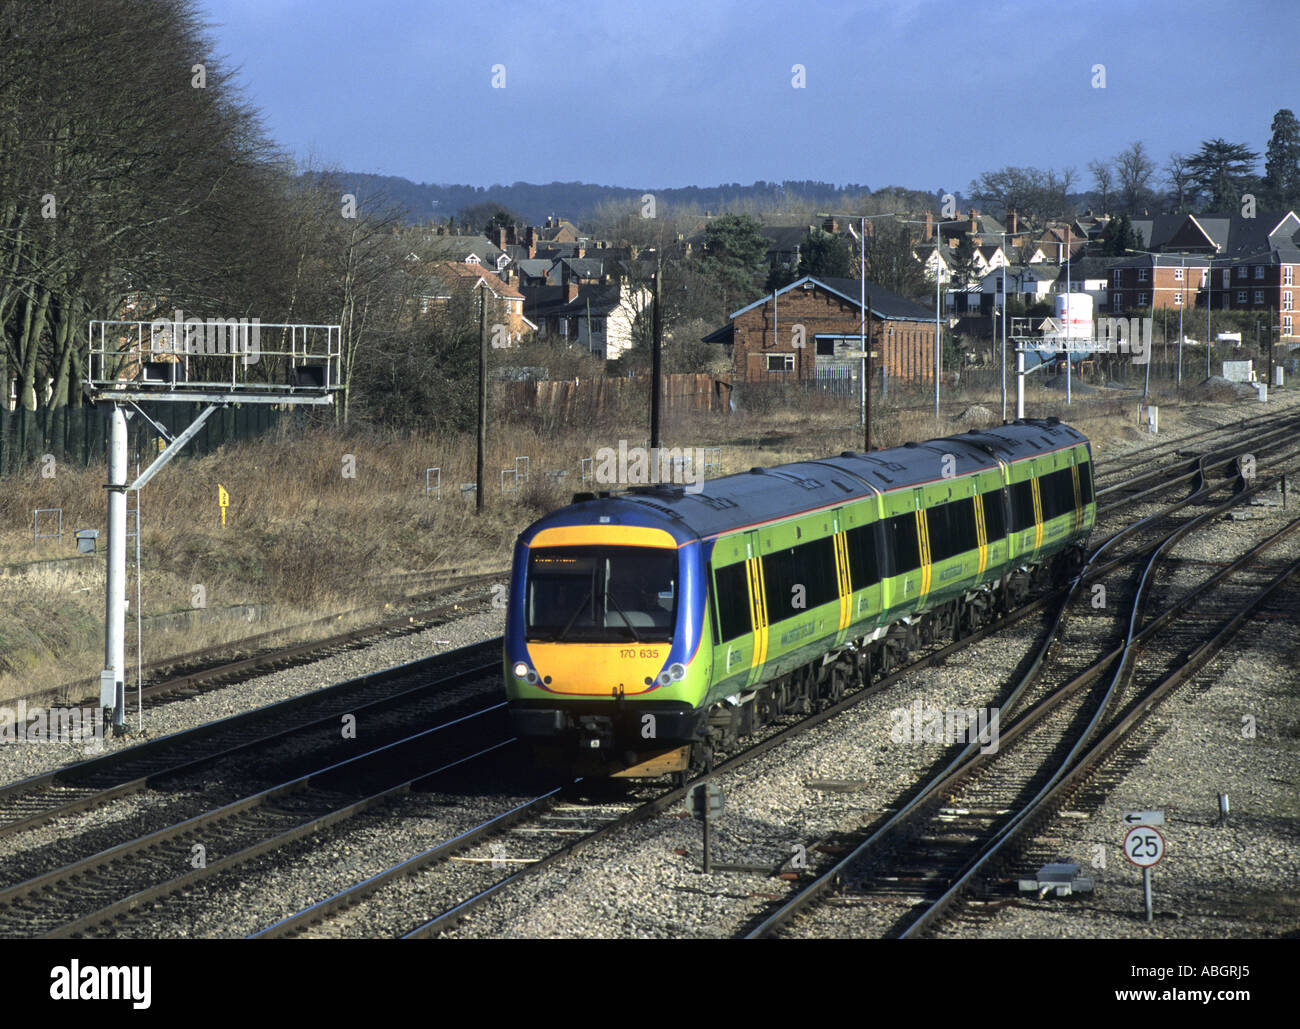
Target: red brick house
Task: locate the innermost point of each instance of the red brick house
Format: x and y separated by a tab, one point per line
809	329
1231	262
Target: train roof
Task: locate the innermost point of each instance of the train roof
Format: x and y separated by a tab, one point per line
766	494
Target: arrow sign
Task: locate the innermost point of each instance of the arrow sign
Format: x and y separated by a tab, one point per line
1143	818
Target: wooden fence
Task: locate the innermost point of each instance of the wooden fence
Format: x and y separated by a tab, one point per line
569	399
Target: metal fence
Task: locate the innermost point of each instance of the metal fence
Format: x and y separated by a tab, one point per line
76	435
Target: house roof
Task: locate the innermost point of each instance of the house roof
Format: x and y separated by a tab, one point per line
884	303
458	275
784	237
985	225
534	267
1040	271
1229	233
586	267
553	302
458	248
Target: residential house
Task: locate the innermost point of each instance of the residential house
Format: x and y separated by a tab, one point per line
475	250
446	279
816	323
597	317
1227	261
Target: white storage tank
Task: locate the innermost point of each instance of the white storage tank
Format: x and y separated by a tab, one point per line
1074	315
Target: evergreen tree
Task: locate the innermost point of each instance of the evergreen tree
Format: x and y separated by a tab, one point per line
1120	237
1223	171
1282	162
824	255
734	248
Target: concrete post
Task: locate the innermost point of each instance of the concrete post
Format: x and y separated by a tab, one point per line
115	604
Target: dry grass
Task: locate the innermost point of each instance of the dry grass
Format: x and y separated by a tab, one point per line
304	538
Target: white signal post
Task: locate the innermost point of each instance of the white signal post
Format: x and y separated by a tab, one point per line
184	361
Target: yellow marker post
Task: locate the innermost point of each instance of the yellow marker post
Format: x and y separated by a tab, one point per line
223	499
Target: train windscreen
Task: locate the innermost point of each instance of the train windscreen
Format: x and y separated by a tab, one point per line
602	594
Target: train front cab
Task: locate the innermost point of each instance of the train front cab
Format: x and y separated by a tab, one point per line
602	633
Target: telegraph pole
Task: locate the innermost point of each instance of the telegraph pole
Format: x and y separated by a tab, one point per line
656	345
482	399
866	381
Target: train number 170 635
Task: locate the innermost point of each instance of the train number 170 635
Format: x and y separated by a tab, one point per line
651	652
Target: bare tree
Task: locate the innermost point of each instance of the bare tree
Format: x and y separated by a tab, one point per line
1182	186
1103	179
1134	169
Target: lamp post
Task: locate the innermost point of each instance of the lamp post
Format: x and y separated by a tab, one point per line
864	403
1002	281
1155	289
938	347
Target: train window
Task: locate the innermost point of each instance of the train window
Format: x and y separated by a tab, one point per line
1022	505
1085	482
1057	493
952	529
731	601
809	565
601	594
864	570
995	526
900	537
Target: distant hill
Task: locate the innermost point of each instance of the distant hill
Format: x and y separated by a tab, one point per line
578	200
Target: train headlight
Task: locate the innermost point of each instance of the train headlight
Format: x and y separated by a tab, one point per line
664	678
677	672
521	670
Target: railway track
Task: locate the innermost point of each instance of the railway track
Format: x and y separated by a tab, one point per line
444	681
942	842
530	837
561	813
213	667
87	895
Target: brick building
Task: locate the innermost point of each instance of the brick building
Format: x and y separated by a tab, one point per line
809	329
1232	262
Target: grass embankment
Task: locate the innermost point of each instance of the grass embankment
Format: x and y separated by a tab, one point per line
305	538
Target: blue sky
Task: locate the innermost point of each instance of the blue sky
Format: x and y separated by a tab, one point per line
913	92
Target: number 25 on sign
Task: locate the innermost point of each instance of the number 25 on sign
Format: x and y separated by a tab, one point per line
223	500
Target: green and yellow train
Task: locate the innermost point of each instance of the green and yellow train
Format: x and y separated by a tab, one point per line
647	624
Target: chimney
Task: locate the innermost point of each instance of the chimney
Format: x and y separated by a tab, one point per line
582	251
929	226
831	225
530	241
510	235
570	292
500	239
1013	225
974	221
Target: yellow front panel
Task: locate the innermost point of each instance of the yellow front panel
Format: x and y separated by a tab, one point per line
598	669
603	535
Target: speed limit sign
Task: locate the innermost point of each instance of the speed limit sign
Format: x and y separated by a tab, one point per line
1144	846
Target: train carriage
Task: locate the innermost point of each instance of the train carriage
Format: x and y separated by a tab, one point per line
644	623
